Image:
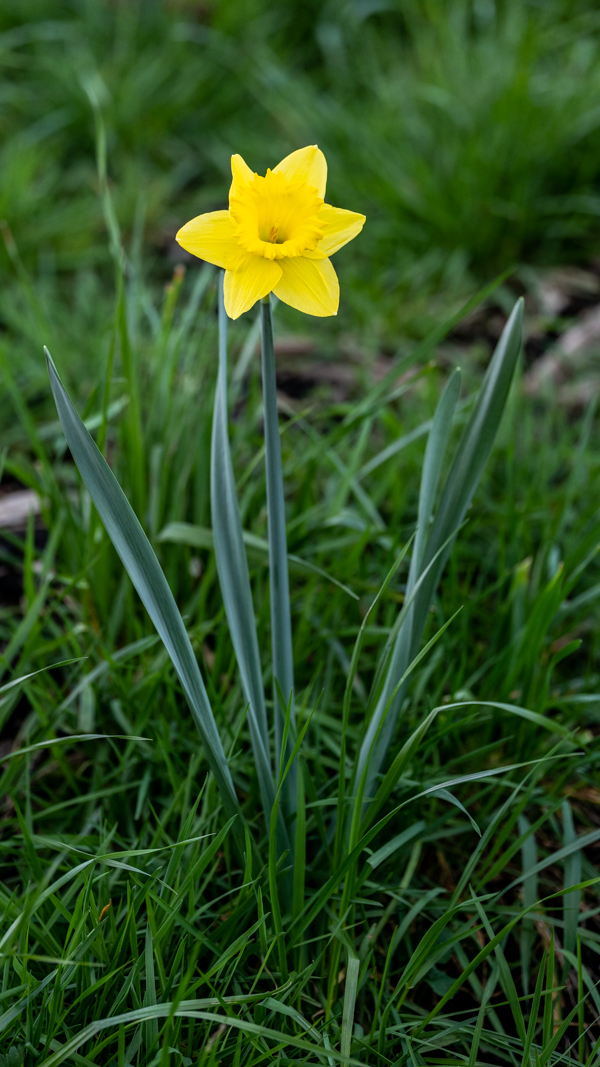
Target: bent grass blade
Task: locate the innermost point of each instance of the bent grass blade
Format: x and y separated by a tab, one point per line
186	533
193	1010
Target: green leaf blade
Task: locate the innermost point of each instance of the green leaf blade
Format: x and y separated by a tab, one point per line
467	467
145	572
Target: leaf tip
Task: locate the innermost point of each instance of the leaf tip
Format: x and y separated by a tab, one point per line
519	309
50	362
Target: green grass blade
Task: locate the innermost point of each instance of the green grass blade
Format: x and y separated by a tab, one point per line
445	794
580	1002
69	740
399	445
572	876
530	890
285	1009
487	994
273	887
574	846
533	1013
186	533
151	1026
352	670
32	674
548	1017
188	1009
146	574
320	898
373	804
350	991
299	847
395	843
506	978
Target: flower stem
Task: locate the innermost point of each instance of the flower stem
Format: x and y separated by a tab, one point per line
281	627
234	579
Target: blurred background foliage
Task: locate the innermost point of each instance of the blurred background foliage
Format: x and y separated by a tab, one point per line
466	131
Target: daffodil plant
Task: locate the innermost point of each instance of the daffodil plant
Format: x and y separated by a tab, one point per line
276	237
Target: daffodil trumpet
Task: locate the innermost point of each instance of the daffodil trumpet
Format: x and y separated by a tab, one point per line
276	236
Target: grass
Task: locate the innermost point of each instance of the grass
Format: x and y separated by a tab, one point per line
135	930
130	826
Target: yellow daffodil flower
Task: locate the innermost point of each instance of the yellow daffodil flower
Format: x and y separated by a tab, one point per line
277	236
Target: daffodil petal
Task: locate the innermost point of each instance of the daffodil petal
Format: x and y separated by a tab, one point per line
306	165
211	237
309	285
240	173
253	279
340	227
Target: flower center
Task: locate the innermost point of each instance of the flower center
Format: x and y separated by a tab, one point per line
276	218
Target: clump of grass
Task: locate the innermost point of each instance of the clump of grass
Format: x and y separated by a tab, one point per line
134	922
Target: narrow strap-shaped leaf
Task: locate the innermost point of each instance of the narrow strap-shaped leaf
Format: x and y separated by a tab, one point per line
467	467
530	894
435	452
182	1010
232	567
572	877
186	533
350	991
145	572
151	1027
477	440
286	1009
299	848
577	844
281	626
506	978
